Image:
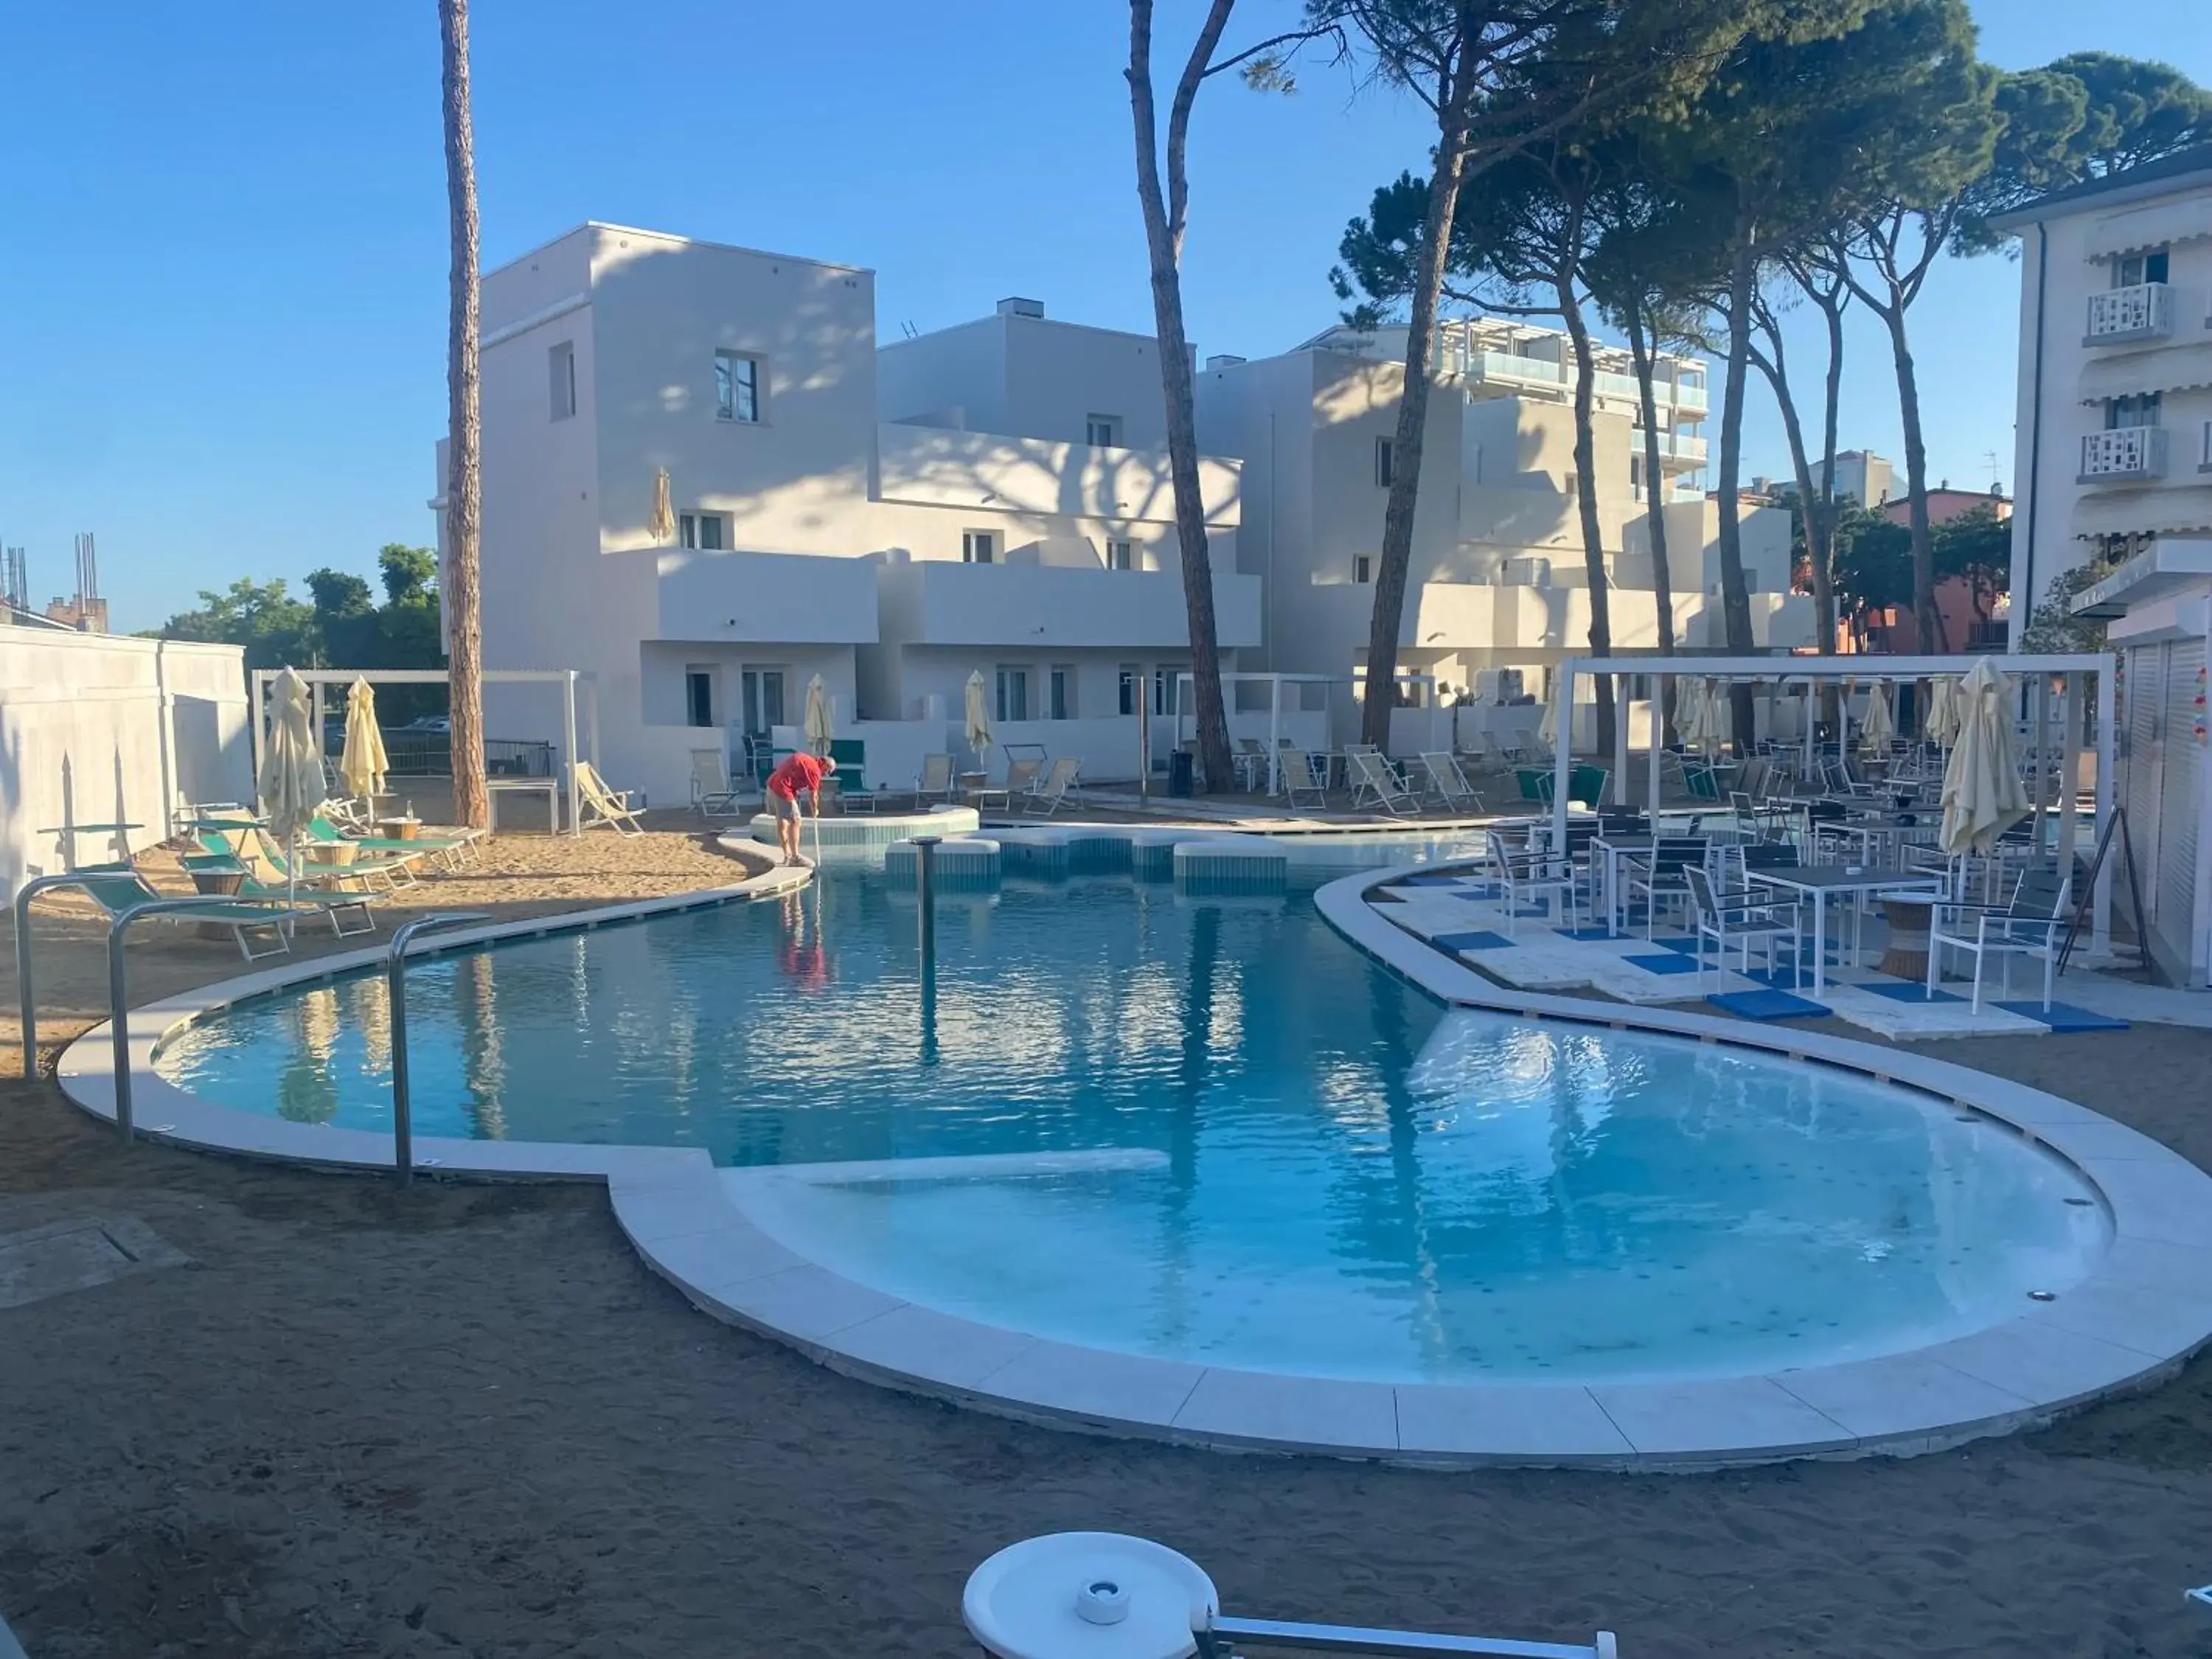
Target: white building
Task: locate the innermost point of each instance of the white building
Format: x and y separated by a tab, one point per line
994	498
893	557
2115	469
1498	577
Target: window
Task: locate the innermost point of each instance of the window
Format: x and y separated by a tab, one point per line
1103	431
737	386
1128	677
1120	555
979	546
1013	694
709	531
762	691
561	372
1060	693
2139	268
698	696
1163	688
2140	409
1362	567
1386	462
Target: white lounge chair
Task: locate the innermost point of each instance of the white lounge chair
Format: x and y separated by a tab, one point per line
1742	918
1023	772
1450	784
1049	796
711	793
599	803
936	779
1302	776
1372	779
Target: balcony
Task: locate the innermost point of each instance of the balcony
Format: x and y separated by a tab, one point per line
796	598
1509	368
1688	448
2130	454
2121	315
937	602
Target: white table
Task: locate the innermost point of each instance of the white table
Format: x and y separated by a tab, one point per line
1818	882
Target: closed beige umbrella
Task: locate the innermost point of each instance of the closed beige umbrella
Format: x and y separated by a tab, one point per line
1880	725
978	716
662	524
819	732
364	764
1983	796
290	788
1944	711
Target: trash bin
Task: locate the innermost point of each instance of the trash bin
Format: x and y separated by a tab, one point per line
1179	773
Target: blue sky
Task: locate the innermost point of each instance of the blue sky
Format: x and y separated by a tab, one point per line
222	304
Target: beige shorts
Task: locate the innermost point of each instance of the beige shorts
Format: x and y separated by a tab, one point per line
783	806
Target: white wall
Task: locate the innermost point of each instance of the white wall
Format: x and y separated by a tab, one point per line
99	729
1030	377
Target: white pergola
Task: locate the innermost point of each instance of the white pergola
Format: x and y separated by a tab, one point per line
2070	674
568	679
1184	708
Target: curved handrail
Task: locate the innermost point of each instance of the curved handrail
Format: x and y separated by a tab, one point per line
395	980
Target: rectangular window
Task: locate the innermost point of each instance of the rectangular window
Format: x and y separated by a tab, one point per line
1103	431
1362	567
2138	410
1060	693
1386	462
2140	268
1120	555
687	530
699	696
561	371
708	530
1163	688
737	386
979	546
1013	694
1128	677
762	690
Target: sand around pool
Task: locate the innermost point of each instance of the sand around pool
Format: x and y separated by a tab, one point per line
464	1420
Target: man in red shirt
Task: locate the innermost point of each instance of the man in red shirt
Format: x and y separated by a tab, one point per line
802	771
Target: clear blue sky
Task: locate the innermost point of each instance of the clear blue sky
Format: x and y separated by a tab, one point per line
222	296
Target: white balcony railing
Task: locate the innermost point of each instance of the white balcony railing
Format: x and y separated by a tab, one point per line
2129	451
2144	311
1512	368
1682	447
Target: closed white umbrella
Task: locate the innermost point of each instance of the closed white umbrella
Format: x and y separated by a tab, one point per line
818	729
1983	796
363	765
1880	725
979	716
1944	710
662	524
1690	712
290	788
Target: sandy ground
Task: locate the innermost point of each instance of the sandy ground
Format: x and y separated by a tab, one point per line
465	1420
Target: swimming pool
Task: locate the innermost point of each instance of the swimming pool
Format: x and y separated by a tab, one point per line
1340	1178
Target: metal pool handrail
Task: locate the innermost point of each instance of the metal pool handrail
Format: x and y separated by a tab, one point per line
395	980
1347	1639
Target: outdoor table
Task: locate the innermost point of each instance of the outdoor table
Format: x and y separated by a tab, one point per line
1879	836
1608	849
69	832
550	787
1818	882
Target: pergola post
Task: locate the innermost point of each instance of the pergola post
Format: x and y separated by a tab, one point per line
1563	734
1658	735
1275	735
2101	914
569	740
1618	783
2069	771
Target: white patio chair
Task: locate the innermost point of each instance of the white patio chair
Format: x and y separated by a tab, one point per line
1449	784
1742	918
1301	775
1522	870
1049	796
712	797
1373	780
599	802
2033	924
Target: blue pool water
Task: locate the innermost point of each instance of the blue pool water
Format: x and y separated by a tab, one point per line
1349	1182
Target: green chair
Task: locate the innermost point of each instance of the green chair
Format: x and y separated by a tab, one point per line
119	887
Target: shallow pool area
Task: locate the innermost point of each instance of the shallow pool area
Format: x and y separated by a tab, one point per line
1330	1173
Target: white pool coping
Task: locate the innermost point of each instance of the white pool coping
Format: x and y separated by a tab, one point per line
2144	1308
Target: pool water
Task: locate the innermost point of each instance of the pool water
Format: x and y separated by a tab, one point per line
1350	1182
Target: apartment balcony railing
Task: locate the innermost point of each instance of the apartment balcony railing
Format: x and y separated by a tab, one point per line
1512	368
2118	315
1681	446
2117	457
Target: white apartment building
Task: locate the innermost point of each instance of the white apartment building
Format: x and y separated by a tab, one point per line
1498	577
2115	466
987	500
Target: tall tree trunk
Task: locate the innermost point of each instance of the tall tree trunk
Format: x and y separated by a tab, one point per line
1594	570
1397	553
1735	591
463	599
1163	226
1642	349
1928	623
1775	366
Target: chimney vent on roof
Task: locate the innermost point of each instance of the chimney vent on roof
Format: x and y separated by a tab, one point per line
1012	306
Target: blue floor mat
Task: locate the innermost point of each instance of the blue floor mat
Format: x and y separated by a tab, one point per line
1902	992
1767	1005
1581	935
1428	881
1482	941
1488	889
1667	963
2064	1017
1688	947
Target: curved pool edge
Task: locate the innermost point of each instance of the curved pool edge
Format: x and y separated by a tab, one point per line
2143	1312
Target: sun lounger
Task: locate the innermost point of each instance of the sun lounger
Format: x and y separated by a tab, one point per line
118	888
599	803
1372	780
1051	795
